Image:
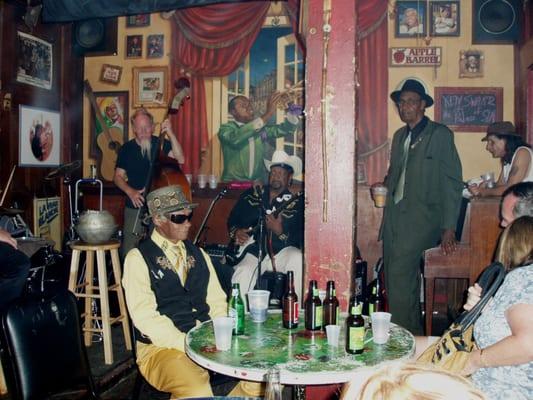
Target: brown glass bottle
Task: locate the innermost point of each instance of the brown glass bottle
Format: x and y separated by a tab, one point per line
355	330
375	300
331	306
313	308
290	304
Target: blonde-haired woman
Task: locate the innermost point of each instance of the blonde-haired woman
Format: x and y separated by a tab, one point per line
406	381
503	365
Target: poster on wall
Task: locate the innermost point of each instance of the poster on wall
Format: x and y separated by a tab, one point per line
47	219
39	137
34	59
415	56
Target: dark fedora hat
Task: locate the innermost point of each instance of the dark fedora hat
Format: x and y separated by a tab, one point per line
500	128
412	85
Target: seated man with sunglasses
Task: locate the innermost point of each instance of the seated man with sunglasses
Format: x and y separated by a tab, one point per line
171	286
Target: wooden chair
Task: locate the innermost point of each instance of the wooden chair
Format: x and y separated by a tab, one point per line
44	351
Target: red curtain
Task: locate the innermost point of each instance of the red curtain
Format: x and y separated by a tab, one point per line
373	149
208	41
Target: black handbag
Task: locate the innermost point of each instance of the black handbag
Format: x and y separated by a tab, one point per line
452	349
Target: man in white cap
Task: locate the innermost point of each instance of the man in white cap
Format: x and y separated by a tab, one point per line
170	287
282	214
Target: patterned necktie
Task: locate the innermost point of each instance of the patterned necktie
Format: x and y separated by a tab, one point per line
181	264
398	192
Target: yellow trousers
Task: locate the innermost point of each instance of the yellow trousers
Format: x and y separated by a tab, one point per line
171	371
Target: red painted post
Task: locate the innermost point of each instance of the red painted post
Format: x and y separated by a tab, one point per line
330	158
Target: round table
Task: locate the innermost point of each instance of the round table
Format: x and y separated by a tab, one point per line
303	357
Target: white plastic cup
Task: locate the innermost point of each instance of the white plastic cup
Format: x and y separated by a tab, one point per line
258	304
223	327
213	181
379	194
189	178
333	332
380	326
202	181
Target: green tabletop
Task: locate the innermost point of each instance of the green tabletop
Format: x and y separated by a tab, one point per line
303	357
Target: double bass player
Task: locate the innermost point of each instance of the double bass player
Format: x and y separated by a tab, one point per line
134	165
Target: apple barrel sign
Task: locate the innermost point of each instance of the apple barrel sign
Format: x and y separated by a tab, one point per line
415	56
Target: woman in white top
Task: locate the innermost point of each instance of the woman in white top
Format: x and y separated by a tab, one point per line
516	156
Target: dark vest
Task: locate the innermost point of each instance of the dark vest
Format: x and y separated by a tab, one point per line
183	305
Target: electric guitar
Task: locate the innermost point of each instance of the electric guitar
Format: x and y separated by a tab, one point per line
109	141
235	253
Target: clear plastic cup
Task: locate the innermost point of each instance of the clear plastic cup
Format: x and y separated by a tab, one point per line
379	194
258	304
202	181
380	326
223	327
213	181
333	332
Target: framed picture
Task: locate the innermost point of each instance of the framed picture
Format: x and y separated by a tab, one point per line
155	46
150	86
139	20
106	140
111	74
469	109
445	18
39	137
410	20
471	64
134	46
47	220
35	61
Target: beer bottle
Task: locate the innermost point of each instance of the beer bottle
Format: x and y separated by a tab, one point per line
313	308
355	330
331	306
375	300
236	309
290	304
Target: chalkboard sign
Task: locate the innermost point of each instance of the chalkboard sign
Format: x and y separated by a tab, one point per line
468	109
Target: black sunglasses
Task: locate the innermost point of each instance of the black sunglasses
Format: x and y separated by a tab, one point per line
180	218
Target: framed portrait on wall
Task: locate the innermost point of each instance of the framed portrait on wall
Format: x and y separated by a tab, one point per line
139	20
155	46
150	86
39	137
111	74
410	20
445	18
134	46
35	61
471	64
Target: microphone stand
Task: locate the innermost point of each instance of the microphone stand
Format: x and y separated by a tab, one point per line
202	226
260	238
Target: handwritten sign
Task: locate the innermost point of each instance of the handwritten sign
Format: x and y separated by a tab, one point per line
415	56
468	109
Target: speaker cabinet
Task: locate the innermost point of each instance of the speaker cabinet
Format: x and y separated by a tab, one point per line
496	21
95	37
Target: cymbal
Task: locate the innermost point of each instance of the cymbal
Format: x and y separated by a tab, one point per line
63	169
10	211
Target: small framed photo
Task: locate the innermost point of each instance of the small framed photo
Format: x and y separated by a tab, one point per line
410	19
471	64
39	137
139	20
111	74
155	46
150	86
134	46
445	18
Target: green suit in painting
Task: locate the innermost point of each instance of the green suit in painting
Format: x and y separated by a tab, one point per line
243	148
430	205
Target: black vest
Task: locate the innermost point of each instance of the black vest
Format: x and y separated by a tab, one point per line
183	305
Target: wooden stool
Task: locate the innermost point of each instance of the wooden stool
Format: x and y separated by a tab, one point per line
87	290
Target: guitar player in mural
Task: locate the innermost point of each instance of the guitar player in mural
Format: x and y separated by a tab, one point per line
109	130
282	213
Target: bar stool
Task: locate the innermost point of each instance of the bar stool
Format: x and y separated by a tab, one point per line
89	291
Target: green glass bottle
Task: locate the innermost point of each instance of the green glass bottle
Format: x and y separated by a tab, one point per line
355	330
236	309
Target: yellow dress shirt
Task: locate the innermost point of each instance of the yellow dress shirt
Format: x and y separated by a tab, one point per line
142	303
